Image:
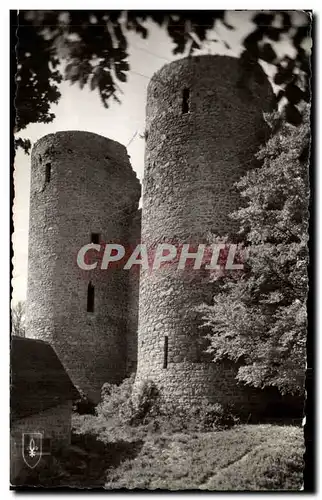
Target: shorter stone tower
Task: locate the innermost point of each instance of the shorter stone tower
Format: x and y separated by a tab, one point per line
83	190
203	127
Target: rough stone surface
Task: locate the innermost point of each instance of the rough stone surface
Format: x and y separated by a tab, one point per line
133	296
92	189
193	158
203	128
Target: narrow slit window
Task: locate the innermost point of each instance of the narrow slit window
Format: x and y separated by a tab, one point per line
48	173
90	297
185	101
95	238
165	352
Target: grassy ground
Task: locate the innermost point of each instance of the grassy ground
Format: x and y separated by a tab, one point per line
243	458
253	457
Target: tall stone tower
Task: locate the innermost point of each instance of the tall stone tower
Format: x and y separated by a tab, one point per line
203	128
83	190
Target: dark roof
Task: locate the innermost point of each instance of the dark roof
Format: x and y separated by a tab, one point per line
38	379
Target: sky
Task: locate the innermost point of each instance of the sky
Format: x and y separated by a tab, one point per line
82	110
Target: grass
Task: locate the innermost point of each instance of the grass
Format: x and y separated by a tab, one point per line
154	446
270	466
201	449
243	458
253	457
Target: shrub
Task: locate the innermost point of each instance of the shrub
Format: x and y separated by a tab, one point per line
215	416
198	418
83	405
120	415
158	415
146	405
116	400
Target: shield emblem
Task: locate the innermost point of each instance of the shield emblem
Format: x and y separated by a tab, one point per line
32	448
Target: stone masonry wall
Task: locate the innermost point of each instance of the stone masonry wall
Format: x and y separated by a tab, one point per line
203	128
92	189
133	297
184	384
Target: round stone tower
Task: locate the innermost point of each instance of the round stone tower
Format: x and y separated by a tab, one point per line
203	126
83	190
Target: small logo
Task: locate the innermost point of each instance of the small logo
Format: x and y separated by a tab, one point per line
32	448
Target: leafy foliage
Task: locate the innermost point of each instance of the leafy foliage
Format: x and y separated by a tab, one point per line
90	48
24	144
148	412
171	450
116	401
18	319
37	77
258	318
292	74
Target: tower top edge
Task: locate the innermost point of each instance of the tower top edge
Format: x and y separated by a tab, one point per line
86	139
223	62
